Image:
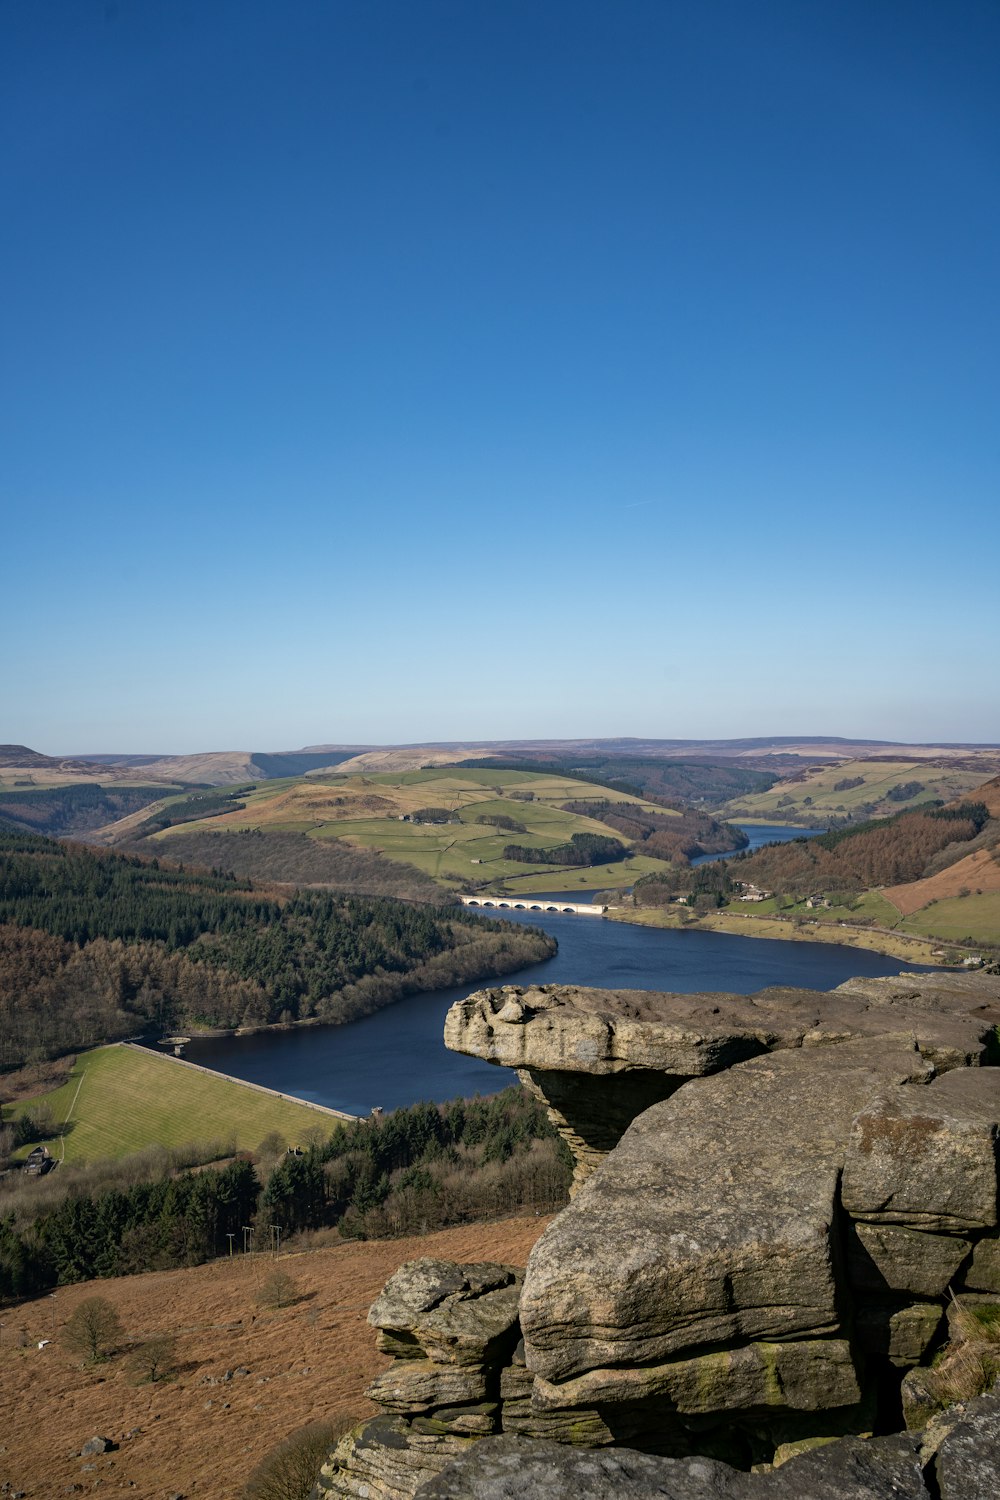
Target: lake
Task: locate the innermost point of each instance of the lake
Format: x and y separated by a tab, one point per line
760	834
396	1057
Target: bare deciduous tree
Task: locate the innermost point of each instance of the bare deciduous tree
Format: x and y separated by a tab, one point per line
291	1469
154	1359
93	1329
278	1290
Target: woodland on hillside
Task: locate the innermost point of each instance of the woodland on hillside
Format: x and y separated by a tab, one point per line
581	850
886	851
96	945
675	837
416	1169
59	810
263	855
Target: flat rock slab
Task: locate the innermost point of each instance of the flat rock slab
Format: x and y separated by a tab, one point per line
710	1223
568	1028
807	1375
420	1385
928	1160
510	1469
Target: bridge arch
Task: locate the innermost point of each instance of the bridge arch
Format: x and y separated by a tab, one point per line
560	908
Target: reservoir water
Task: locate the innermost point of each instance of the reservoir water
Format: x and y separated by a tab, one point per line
760	834
397	1057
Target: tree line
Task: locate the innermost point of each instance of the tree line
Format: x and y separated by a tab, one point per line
95	945
191	809
676	837
422	1167
582	849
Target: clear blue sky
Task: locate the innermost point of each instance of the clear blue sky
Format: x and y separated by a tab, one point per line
427	369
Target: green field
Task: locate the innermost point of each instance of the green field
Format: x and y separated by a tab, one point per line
959	917
869	799
956	919
350	807
119	1099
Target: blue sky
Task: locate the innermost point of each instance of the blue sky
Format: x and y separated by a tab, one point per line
416	369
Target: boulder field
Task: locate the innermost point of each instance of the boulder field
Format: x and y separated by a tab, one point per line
778	1201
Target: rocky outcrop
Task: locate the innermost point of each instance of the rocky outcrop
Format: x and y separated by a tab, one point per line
600	1057
961	1463
766	1252
452	1329
778	1199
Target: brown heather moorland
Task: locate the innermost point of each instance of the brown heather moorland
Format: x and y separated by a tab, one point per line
977	872
198	1434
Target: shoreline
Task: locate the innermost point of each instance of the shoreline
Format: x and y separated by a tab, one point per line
788	929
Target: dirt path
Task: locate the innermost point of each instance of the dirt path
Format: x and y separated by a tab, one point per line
69	1116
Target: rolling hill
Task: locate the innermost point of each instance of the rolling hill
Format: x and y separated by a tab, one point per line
456	825
930	871
863	787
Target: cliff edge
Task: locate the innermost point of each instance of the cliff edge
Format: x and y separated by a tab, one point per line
779	1199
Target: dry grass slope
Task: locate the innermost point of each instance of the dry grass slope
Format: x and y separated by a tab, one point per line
198	1434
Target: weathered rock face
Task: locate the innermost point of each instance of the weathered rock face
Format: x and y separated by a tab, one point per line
777	1198
601	1057
696	1271
962	1464
452	1330
451	1315
928	1157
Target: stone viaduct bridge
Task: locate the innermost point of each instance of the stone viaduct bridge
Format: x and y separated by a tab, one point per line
535	903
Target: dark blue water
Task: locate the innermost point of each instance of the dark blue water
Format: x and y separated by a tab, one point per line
397	1056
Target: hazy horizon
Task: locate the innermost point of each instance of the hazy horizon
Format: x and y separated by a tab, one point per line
696	743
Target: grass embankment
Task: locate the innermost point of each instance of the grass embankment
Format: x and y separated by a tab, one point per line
119	1099
368	811
811	929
